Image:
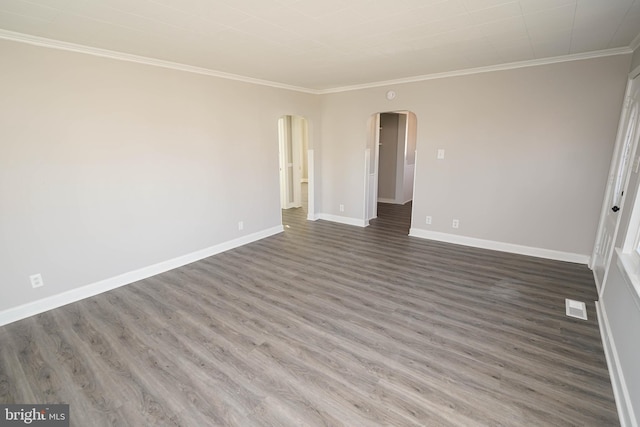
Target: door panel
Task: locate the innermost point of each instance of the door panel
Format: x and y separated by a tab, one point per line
291	136
282	138
371	163
296	161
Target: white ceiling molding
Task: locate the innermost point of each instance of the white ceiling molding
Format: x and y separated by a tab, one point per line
56	44
72	47
333	45
499	67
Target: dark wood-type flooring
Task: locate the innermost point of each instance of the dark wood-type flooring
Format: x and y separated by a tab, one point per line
324	325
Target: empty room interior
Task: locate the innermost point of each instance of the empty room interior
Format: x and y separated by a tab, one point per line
304	212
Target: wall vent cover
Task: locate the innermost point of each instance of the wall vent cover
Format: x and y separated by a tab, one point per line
576	309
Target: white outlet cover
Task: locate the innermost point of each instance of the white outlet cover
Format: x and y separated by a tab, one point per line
440	153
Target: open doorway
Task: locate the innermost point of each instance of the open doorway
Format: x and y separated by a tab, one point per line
390	163
293	137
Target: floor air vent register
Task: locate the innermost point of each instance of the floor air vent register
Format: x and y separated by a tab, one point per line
576	309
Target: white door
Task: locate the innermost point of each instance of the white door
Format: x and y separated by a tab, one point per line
297	142
290	136
616	184
372	154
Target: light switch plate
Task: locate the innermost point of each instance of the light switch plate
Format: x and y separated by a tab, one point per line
440	153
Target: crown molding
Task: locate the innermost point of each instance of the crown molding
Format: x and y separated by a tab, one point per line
499	67
105	53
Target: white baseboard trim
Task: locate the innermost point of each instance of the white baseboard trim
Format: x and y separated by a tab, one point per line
383	200
343	220
393	201
620	391
313	217
40	306
499	246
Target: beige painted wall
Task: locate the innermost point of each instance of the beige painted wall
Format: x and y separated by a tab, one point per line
527	150
109	166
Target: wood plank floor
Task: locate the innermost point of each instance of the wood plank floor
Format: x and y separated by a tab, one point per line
324	325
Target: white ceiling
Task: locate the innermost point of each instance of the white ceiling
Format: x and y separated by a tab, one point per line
324	44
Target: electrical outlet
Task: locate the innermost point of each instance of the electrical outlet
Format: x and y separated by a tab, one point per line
455	223
240	225
36	280
440	153
429	220
341	208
